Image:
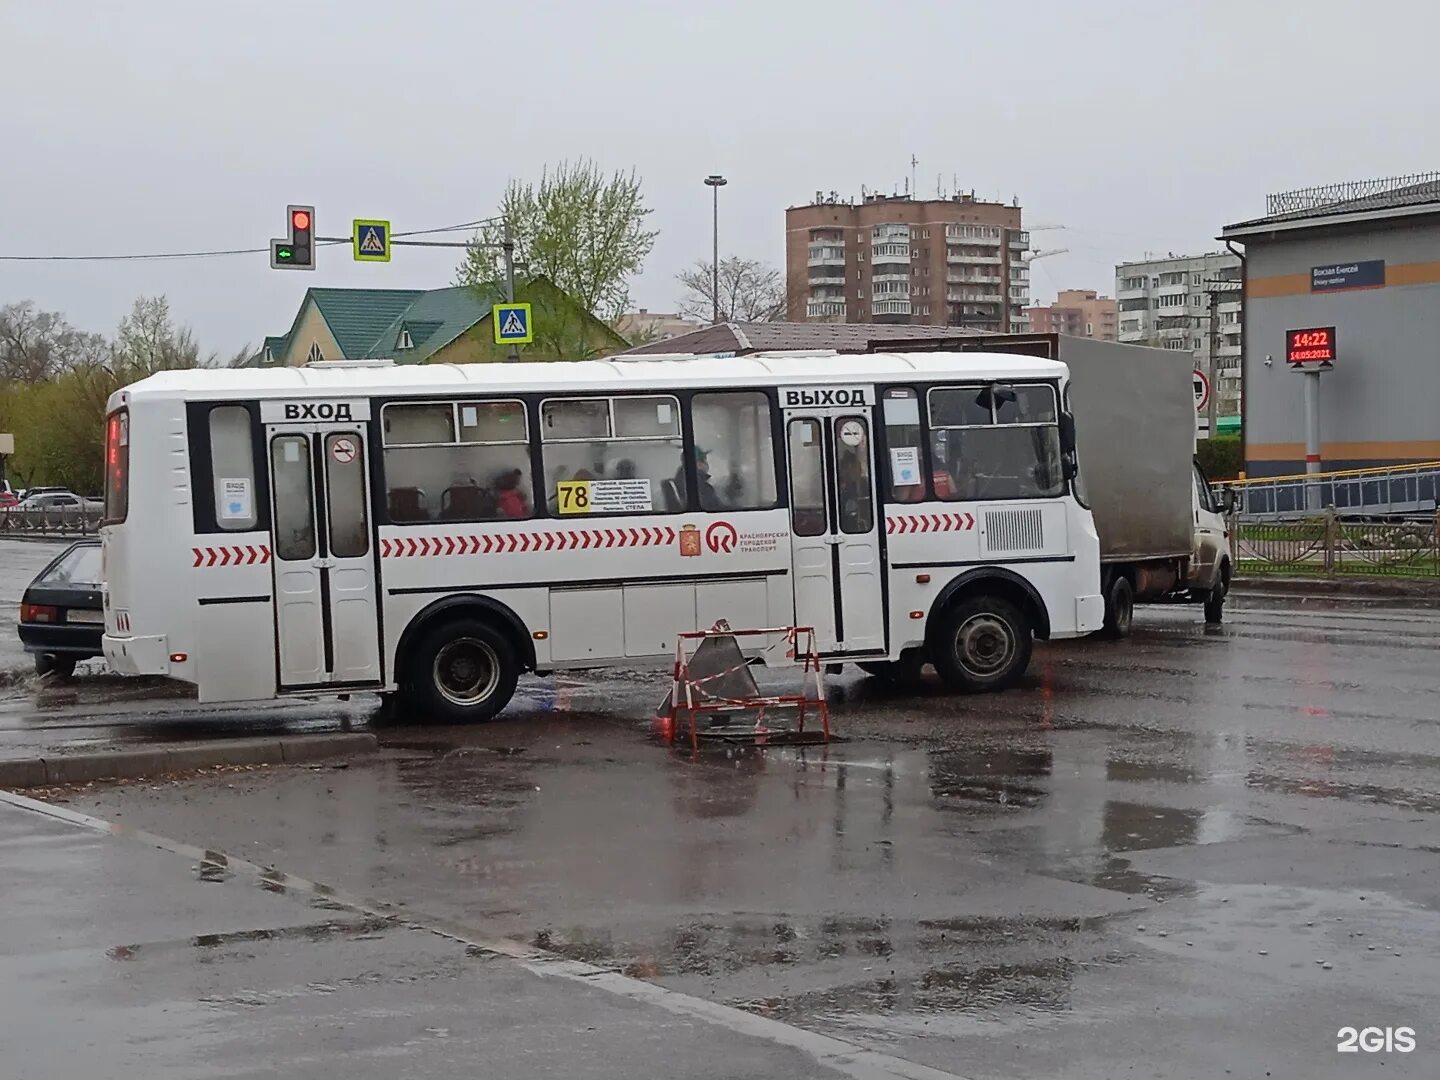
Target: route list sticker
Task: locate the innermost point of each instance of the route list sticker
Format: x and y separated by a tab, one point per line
905	465
603	496
235	499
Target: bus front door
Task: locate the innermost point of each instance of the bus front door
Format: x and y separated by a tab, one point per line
325	589
835	543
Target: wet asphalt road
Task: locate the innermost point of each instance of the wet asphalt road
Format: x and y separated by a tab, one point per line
1194	854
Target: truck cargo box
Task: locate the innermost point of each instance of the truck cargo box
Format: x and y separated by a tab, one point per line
1135	431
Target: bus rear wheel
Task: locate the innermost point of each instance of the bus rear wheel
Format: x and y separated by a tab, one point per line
462	671
982	644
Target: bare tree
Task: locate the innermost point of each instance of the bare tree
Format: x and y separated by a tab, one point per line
35	344
750	291
583	230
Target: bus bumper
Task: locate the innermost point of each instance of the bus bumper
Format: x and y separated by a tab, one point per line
137	655
1089	614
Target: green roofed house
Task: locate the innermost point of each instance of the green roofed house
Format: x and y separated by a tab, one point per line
441	326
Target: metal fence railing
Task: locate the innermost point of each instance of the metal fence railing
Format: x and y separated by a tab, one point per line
1381	492
1327	544
47	523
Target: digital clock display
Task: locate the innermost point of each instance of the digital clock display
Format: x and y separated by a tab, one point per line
1315	345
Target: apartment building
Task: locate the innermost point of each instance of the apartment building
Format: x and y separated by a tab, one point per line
1079	313
1166	302
897	259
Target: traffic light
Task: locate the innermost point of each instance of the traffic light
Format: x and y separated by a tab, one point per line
297	251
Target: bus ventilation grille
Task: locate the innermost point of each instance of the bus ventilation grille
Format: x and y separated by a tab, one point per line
1014	530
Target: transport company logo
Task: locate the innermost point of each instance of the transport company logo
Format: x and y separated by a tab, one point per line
721	537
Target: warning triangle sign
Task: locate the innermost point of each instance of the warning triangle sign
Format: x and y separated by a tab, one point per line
513	324
371	242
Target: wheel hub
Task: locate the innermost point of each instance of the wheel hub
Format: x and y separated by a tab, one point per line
984	644
466	671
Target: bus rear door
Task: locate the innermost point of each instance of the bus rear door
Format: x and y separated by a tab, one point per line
326	608
837	566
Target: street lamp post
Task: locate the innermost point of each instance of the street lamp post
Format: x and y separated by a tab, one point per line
715	182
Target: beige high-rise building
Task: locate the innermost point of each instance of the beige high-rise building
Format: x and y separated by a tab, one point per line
1078	313
896	259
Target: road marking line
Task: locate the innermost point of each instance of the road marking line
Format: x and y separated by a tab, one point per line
845	1057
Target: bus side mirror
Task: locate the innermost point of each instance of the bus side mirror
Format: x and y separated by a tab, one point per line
1067	433
1229	499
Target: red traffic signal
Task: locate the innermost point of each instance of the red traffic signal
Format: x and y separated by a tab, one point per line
296	251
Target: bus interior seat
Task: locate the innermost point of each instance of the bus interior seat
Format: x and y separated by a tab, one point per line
408	504
466	502
673	502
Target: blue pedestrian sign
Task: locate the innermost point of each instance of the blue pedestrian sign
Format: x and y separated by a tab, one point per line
370	240
513	325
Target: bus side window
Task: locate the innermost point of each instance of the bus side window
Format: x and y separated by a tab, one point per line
457	461
232	468
603	441
901	413
733	430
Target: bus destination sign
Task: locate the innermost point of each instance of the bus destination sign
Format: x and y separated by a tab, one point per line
1314	345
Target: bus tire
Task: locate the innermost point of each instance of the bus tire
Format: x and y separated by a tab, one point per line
1119	608
61	667
462	671
982	644
907	671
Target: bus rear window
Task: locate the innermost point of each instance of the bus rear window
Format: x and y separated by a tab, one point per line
117	466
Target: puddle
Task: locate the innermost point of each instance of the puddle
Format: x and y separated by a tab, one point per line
989	777
317	932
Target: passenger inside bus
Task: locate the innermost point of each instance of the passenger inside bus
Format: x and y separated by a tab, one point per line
510	500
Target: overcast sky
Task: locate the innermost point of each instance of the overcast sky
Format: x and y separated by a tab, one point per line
159	125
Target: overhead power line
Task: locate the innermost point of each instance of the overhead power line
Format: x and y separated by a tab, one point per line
324	241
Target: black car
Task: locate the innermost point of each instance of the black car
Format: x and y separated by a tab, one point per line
61	614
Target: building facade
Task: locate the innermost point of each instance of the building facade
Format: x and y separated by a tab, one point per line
895	259
643	326
1078	313
1363	258
1167	303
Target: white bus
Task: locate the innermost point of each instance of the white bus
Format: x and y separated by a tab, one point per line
439	530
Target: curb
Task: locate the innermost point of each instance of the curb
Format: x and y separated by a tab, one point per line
1363	588
132	764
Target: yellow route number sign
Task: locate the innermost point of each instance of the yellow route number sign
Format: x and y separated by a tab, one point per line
573	496
628	496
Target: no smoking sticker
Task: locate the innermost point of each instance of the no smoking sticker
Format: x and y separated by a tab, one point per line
852	433
343	450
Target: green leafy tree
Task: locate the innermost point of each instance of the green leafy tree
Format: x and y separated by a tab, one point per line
149	341
581	228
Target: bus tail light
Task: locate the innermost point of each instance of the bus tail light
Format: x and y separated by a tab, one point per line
42	613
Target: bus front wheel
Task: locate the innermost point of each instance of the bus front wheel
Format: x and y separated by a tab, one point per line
462	671
982	644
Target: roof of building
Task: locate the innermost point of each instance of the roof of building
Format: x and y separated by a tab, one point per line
760	369
356	317
1386	200
434	318
743	338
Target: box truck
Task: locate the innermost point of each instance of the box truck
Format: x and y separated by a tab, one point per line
1163	533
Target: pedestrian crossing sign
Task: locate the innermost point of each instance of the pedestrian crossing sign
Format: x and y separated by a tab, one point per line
512	324
370	240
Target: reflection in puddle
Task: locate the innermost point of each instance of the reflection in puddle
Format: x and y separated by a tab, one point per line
988	776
